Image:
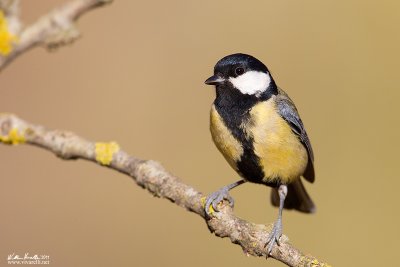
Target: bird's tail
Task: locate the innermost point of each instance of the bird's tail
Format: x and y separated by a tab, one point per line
297	198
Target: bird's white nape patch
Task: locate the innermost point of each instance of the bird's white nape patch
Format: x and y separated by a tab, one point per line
251	82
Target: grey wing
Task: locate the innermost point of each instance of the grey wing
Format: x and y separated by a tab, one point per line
287	110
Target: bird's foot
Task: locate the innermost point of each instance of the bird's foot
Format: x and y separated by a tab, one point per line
274	236
215	198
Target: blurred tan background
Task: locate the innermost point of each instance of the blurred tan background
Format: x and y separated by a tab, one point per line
136	77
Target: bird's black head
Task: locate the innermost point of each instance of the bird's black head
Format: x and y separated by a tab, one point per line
244	73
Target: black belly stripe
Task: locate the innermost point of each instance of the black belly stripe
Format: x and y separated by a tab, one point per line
249	167
234	107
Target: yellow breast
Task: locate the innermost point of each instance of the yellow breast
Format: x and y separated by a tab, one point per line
282	155
224	140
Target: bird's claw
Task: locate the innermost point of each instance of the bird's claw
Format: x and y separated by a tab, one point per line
215	198
274	236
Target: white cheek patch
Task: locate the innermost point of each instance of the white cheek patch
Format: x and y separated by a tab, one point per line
251	82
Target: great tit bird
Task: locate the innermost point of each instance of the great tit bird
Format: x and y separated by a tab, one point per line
257	128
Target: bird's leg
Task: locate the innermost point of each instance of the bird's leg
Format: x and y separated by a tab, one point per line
276	231
215	198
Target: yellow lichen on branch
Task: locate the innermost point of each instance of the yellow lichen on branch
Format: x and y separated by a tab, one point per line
203	203
13	137
6	37
312	262
105	152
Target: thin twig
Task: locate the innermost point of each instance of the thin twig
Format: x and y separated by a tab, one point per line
153	177
52	30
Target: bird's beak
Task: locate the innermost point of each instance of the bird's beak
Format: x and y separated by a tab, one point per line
214	80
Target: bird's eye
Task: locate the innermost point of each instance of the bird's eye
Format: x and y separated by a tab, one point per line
239	71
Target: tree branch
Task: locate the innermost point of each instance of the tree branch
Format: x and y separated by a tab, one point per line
52	30
155	179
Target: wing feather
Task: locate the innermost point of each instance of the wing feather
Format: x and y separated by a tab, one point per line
287	110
